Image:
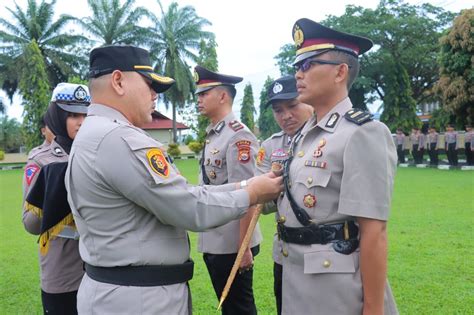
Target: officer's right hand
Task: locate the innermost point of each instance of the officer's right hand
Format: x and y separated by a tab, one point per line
264	188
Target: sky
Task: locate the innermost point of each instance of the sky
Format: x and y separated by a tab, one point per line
249	33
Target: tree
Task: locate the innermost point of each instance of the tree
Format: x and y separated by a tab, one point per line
176	34
36	91
247	109
266	122
54	43
400	107
207	58
285	59
114	23
10	135
456	82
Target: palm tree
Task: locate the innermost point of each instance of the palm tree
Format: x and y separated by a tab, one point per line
114	23
36	23
177	35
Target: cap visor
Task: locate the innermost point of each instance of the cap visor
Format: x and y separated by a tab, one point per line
308	54
282	97
159	84
204	89
74	108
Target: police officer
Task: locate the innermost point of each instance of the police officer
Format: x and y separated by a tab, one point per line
48	138
399	141
131	206
290	114
451	140
228	156
60	263
417	145
468	147
338	184
433	146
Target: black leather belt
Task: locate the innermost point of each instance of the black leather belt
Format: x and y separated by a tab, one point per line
142	276
318	234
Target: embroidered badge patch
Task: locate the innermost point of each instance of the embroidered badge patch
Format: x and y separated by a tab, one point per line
309	200
260	156
332	120
30	172
279	154
158	162
243	147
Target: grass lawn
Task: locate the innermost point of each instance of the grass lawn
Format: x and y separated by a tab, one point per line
431	267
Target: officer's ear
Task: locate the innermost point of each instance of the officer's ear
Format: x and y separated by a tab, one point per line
342	73
117	82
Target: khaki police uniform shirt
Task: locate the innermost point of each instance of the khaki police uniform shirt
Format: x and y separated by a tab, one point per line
132	207
352	176
432	138
273	150
400	139
229	157
450	137
61	268
469	137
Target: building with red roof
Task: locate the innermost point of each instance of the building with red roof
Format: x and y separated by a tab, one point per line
161	128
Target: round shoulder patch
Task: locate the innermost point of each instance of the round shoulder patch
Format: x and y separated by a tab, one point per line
158	163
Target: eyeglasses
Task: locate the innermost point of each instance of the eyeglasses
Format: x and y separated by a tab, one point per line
305	65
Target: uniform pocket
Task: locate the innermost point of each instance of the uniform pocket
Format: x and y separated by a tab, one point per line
328	261
313	178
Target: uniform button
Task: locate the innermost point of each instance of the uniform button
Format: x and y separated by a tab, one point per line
284	252
281	219
289	184
207	141
310	180
326	264
301	153
282	194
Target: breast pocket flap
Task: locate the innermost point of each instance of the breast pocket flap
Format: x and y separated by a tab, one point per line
328	261
313	178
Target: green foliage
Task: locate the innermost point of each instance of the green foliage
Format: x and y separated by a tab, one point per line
266	122
399	106
440	118
113	22
285	59
2	155
247	109
456	82
207	58
77	80
188	139
195	146
36	91
58	47
11	138
176	36
174	150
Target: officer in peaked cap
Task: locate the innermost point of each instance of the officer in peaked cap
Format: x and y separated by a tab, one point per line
60	264
131	206
290	114
227	157
338	186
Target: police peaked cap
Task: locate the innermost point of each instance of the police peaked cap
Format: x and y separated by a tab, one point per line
312	39
206	79
105	60
73	98
283	88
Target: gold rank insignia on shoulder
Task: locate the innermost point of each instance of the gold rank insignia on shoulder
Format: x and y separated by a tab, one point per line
260	156
358	116
236	125
158	162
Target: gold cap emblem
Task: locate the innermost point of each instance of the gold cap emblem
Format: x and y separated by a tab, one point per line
196	77
298	36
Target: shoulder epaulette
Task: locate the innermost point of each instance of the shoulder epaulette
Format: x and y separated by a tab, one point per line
236	125
358	116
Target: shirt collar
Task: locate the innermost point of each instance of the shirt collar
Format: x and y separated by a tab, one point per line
217	128
331	120
106	111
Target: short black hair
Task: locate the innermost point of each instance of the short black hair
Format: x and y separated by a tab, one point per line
350	60
230	89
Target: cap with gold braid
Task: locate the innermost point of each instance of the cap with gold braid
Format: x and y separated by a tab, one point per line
312	38
206	79
107	59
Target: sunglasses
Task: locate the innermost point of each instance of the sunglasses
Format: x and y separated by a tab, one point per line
305	65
